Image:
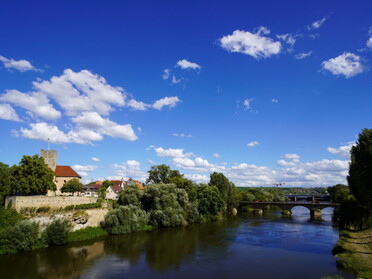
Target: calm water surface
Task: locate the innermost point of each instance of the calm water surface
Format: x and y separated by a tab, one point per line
268	246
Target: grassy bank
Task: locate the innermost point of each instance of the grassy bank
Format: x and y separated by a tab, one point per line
86	234
354	250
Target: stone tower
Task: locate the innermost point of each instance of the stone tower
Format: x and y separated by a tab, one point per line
50	158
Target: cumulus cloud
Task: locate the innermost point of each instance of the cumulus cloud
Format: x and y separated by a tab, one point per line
130	169
184	64
346	64
170	152
253	143
316	24
303	55
216	155
35	103
136	105
166	74
93	121
254	44
8	113
83	170
274	100
95	159
182	135
343	151
20	65
170	102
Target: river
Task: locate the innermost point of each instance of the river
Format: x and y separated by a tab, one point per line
250	246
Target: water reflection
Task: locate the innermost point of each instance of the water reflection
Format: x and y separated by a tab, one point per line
238	247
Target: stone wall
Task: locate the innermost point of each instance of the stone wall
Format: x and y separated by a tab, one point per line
19	202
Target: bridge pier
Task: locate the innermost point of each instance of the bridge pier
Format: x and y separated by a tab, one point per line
314	213
286	212
258	211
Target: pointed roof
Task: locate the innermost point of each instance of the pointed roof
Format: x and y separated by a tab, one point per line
65	171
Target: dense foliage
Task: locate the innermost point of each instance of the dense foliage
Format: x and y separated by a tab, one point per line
4	182
338	193
57	232
227	189
31	177
72	186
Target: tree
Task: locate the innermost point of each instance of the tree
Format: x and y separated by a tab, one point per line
4	182
102	191
338	193
360	170
211	202
162	174
72	186
228	191
32	177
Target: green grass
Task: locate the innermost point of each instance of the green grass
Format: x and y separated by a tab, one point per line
86	233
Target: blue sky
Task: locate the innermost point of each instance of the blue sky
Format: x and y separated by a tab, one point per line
265	92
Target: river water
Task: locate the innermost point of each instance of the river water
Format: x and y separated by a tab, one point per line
251	246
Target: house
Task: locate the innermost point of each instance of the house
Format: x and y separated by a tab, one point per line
62	174
112	192
131	182
92	189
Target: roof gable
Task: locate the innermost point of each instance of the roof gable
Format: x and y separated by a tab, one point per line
65	171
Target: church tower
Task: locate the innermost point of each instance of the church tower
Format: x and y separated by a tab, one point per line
50	158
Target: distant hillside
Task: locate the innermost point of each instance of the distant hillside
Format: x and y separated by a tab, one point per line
292	190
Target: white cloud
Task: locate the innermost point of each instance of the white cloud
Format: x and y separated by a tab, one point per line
95	159
8	113
184	64
170	152
247	104
20	65
274	100
253	44
343	151
37	104
166	74
292	156
136	105
216	155
44	131
83	170
303	55
93	121
130	169
369	43
198	178
253	143
82	91
287	38
175	80
166	101
347	64
182	135
317	24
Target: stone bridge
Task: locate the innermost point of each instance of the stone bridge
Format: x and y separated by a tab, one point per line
286	207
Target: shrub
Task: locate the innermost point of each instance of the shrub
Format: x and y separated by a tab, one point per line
57	232
8	218
130	195
88	205
125	219
69	207
23	236
86	233
43	209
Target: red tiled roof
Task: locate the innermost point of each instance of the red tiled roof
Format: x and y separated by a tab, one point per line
116	188
65	171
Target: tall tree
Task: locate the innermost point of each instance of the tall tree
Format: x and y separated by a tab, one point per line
32	177
227	189
162	174
360	171
4	182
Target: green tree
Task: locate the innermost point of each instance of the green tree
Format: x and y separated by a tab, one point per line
32	177
338	192
360	170
72	186
228	191
130	196
162	174
4	182
210	201
102	191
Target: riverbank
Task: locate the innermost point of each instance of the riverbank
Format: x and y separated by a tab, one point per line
354	250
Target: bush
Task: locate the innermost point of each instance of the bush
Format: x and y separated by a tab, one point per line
130	195
86	233
57	232
23	236
88	205
8	218
43	209
211	203
125	219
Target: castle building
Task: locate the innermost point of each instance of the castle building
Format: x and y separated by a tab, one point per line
62	174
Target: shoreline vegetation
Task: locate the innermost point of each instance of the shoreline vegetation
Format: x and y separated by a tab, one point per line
354	252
